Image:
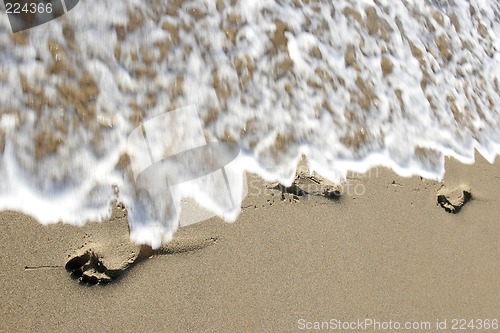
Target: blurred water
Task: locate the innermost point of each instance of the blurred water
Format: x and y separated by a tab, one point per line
350	84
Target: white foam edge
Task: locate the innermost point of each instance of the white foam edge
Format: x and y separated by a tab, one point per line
53	206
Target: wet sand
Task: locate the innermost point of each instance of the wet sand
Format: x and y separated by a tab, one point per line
385	252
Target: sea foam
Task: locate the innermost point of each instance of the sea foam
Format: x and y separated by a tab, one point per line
349	84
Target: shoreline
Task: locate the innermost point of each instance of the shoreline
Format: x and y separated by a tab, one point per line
390	253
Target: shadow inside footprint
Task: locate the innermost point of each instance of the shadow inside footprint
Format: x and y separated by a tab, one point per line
92	267
89	268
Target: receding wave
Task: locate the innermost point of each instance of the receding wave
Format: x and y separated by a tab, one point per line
350	84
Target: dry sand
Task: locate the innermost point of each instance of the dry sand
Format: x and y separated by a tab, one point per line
389	253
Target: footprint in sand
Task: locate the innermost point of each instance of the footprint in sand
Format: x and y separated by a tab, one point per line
306	184
96	263
452	200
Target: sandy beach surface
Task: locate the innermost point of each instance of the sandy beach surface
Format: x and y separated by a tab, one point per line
383	251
